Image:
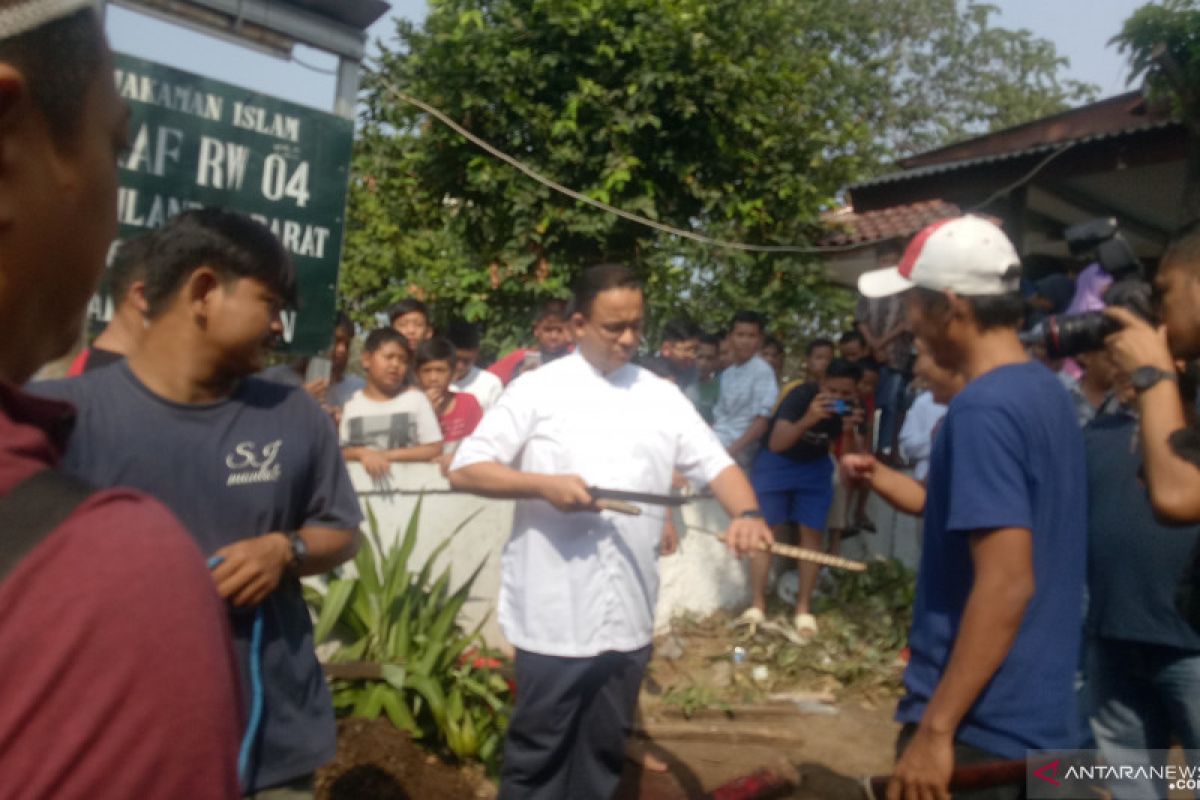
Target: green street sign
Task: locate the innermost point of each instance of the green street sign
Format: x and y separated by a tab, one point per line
202	143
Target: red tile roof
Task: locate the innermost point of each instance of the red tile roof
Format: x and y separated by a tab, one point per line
898	222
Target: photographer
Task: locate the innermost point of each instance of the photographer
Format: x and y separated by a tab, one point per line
792	476
1148	355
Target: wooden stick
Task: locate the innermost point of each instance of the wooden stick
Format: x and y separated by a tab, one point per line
620	507
815	556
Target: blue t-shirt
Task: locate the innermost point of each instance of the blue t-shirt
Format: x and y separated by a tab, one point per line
1135	564
1009	455
265	459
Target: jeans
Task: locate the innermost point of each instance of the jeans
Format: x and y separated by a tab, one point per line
1143	695
889	399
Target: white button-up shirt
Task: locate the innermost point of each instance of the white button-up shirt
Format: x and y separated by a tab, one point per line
747	391
579	584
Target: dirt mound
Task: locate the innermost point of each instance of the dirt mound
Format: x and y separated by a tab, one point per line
377	761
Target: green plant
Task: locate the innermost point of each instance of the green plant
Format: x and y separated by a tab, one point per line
428	680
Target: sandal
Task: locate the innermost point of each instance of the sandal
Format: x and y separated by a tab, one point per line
806	624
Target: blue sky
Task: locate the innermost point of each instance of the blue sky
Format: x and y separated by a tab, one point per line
1079	28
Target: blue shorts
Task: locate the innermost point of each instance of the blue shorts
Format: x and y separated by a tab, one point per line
790	491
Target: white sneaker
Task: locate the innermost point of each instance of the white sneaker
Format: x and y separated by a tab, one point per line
751	616
806	624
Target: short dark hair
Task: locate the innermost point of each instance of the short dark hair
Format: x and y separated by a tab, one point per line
680	330
555	307
342	322
815	343
852	336
868	365
750	318
232	244
773	341
843	368
408	305
602	278
1184	246
711	338
381	336
128	266
60	61
463	335
991	311
439	349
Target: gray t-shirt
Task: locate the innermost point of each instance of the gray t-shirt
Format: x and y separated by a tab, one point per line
266	459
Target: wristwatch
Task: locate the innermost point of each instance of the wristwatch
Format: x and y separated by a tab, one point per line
750	513
299	551
1144	378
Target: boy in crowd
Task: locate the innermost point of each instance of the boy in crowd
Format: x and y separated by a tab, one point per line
251	467
410	318
817	356
680	340
793	477
388	420
724	353
457	412
997	615
848	514
481	384
706	389
748	390
773	353
341	386
119	678
553	340
852	346
126	289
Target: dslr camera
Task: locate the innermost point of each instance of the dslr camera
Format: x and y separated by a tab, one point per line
1064	336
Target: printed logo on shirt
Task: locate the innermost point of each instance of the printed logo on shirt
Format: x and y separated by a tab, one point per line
249	464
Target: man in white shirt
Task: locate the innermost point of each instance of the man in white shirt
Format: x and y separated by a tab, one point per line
483	385
578	584
748	390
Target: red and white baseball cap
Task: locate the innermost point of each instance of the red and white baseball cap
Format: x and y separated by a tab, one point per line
967	255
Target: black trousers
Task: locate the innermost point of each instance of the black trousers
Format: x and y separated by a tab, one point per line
965	754
567	736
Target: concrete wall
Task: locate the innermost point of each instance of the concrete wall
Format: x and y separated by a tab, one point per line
699	579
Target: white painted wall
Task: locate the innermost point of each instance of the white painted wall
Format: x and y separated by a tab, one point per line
700	578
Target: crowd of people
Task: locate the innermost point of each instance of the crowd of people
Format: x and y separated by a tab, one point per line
161	505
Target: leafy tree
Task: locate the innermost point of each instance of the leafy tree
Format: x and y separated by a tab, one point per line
737	119
952	74
1163	44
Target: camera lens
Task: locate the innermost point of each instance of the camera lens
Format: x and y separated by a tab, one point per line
1071	335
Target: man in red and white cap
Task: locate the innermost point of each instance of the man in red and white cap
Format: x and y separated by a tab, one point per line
997	618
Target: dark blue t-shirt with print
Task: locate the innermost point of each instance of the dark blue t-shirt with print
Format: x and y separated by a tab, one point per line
265	459
1009	455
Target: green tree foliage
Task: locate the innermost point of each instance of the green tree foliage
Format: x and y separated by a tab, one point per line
952	74
1163	44
737	119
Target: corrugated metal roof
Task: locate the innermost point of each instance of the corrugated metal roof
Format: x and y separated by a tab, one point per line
950	166
358	14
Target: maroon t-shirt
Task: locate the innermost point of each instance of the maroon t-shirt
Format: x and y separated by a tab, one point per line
461	421
117	676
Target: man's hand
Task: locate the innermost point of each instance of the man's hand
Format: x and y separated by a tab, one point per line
669	542
566	493
747	535
858	468
251	568
925	768
819	410
1138	344
317	389
375	463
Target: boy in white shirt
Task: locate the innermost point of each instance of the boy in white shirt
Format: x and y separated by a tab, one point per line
388	420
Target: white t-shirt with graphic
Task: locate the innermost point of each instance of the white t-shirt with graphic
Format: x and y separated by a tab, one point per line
406	420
